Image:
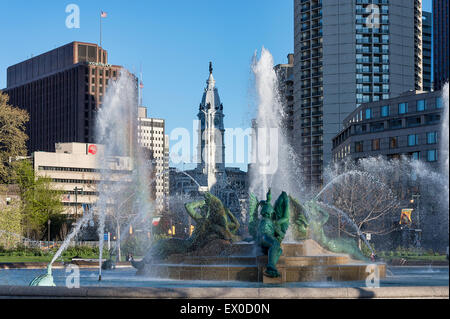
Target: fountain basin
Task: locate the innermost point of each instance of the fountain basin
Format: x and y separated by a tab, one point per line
301	262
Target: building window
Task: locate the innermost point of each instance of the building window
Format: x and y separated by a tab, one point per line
377	127
376	144
385	110
368	113
421	105
358	147
438	102
432	155
413	140
403	108
394	124
413	121
431	138
393	142
415	156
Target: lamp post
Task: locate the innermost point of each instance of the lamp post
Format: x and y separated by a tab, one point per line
48	233
416	199
76	189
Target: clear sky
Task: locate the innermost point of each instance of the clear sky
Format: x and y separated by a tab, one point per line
173	41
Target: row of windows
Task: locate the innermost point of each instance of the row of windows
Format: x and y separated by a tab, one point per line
421	105
431	155
79	169
412	140
83	181
83	192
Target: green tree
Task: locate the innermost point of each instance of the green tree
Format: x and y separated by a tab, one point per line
40	202
10	225
12	136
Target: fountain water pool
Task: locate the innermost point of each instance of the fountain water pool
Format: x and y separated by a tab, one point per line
126	277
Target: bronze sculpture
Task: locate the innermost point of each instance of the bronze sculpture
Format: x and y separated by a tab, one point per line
270	230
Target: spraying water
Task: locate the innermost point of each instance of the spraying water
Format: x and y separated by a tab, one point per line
349	221
82	222
115	130
274	163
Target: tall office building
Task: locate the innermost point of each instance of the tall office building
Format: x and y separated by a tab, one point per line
152	137
427	48
347	53
418	44
440	43
61	90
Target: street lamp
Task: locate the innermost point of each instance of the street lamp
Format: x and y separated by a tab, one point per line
76	189
416	199
48	231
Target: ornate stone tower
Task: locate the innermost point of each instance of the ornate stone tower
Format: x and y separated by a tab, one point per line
211	135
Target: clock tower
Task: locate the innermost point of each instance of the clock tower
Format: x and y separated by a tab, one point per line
211	146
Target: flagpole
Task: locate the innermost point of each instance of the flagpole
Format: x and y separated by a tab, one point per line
100	28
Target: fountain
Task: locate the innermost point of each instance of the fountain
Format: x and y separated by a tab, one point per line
278	251
264	257
115	134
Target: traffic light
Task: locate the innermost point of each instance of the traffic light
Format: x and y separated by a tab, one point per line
191	230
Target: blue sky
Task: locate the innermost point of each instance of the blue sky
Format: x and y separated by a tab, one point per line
173	41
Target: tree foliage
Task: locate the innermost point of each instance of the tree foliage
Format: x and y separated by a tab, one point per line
12	135
40	202
10	225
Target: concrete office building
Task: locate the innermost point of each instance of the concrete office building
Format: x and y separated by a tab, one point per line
61	90
74	170
343	58
440	43
409	125
427	48
285	73
151	136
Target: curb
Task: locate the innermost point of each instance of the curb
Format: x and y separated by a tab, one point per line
225	293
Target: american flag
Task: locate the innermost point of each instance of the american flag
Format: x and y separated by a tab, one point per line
66	197
103	14
141	85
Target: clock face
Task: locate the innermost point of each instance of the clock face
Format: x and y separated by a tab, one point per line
216	121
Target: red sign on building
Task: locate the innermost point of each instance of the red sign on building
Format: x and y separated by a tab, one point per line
92	149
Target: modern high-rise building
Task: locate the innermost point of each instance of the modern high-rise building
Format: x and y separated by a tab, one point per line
151	136
440	43
285	73
347	53
61	90
427	48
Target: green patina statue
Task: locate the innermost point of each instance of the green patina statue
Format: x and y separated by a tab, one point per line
44	280
312	227
269	230
213	222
